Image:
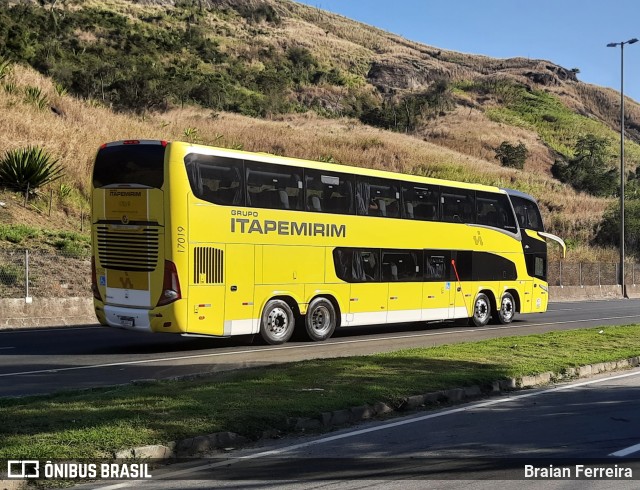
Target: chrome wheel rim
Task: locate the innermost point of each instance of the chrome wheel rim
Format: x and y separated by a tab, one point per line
506	308
278	322
481	310
321	319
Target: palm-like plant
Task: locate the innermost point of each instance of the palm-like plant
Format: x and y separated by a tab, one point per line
28	168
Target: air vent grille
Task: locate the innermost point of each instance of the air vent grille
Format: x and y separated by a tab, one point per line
208	265
128	249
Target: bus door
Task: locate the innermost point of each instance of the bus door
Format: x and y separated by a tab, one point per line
239	290
438	291
368	296
402	270
462	294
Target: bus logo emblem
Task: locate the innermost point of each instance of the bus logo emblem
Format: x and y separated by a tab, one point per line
125	219
126	281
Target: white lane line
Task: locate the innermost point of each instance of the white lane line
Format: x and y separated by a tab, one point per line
626	451
51	329
305	346
386	426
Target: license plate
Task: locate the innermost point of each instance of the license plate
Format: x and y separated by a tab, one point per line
127	321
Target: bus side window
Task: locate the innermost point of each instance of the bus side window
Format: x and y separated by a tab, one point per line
367	261
378	197
329	192
436	265
401	266
495	210
273	186
215	179
458	206
357	265
421	202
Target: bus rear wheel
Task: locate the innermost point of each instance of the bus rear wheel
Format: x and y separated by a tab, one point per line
320	320
481	310
506	311
277	323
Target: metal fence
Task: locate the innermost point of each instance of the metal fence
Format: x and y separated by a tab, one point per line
560	273
33	273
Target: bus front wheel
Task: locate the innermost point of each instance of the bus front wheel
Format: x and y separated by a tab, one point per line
277	323
320	320
481	310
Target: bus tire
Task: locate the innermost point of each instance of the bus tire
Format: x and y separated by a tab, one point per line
506	310
320	320
481	310
277	322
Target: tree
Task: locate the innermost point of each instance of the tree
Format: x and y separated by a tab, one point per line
589	170
609	231
512	155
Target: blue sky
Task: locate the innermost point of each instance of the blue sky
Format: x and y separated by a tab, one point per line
570	33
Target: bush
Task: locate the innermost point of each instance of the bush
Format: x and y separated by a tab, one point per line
512	155
609	232
28	169
11	275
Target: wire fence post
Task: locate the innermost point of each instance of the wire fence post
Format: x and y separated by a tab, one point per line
580	273
27	298
560	273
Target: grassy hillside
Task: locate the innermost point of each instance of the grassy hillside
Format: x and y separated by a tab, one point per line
289	79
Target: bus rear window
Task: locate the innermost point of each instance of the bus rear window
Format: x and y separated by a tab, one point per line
141	165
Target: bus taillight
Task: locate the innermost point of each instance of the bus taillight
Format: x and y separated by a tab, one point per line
94	280
170	284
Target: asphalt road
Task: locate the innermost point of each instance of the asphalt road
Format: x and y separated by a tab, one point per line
481	445
41	361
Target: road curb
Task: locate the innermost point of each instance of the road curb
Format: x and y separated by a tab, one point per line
337	418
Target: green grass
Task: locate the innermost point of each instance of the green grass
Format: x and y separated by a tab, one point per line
558	126
67	242
96	423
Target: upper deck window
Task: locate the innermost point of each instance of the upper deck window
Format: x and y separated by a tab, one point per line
137	164
273	186
421	202
377	197
215	179
329	192
458	205
495	210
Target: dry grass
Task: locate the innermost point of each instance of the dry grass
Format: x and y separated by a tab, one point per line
458	146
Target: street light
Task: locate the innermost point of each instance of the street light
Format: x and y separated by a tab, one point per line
622	174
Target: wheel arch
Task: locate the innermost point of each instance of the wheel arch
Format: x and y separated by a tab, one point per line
516	298
491	295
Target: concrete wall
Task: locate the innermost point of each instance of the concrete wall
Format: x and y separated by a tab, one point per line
46	312
49	312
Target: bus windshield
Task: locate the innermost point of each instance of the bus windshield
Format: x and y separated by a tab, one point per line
140	165
527	213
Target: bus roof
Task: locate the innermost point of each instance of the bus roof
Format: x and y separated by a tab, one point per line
332	167
523	195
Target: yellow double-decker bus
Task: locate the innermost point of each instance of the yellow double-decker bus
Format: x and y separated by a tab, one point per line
205	241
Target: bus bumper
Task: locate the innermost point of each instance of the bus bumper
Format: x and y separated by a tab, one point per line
128	318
